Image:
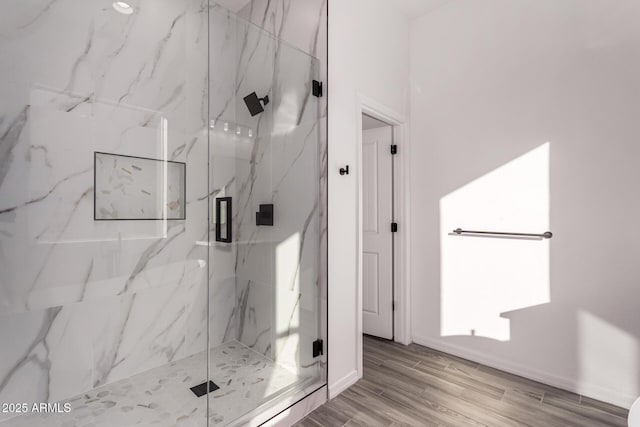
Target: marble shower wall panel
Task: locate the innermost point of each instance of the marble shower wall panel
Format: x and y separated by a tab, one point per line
295	192
223	63
222	297
300	23
194	151
254	258
225	147
299	149
86	303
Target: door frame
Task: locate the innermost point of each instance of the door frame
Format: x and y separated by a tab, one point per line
401	199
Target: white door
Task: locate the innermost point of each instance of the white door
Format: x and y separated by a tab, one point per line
377	205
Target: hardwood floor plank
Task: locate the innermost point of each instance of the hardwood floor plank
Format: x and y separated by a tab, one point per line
436	409
508	380
600	417
463	381
417	386
525	409
329	415
408	409
411	352
603	406
370	386
371	358
391	374
310	421
400	356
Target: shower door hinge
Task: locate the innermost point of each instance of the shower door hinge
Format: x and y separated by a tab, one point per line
394	149
317	88
318	348
394	227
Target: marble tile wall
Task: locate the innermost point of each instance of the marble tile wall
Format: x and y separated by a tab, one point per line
300	26
225	148
277	269
303	25
255	52
86	303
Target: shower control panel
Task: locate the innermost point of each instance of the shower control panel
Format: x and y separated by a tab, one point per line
265	215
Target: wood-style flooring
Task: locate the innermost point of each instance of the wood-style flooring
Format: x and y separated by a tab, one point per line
416	386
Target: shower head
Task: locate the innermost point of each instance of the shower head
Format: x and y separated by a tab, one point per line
253	103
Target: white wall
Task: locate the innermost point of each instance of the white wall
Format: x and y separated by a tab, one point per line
368	54
543	99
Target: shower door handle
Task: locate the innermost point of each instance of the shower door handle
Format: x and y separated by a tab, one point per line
223	219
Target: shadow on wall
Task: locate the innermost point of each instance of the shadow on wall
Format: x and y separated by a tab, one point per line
488	282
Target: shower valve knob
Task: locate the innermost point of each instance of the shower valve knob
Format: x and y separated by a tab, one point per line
344	170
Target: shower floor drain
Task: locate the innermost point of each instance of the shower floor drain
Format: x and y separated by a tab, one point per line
201	389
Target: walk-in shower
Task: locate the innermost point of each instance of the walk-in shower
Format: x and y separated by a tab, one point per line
160	234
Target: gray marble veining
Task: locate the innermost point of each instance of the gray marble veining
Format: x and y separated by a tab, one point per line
276	272
84	303
138	188
89	304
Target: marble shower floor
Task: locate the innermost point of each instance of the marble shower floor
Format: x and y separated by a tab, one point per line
162	396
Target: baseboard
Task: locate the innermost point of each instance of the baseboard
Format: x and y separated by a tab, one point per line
343	383
569	384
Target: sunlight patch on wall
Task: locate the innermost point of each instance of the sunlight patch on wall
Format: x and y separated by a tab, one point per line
287	307
483	277
286	115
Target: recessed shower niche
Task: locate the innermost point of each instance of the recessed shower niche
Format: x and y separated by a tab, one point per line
138	188
122	288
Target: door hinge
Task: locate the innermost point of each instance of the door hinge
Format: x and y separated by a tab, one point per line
394	149
317	88
393	306
394	227
318	348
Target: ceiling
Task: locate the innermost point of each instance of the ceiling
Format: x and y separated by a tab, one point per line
416	8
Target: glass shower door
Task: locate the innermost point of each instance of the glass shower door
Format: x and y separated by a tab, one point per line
103	212
265	222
